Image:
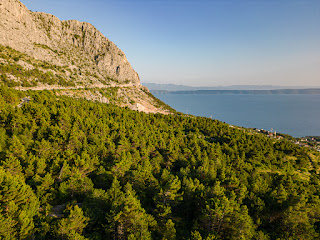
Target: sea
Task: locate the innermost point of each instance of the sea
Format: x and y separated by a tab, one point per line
297	115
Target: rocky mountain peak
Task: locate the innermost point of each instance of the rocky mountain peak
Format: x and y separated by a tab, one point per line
40	52
64	43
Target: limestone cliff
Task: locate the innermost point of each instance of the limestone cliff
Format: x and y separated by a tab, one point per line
38	51
75	45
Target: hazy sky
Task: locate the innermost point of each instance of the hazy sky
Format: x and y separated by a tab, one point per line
207	42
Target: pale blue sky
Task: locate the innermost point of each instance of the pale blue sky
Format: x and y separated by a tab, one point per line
207	43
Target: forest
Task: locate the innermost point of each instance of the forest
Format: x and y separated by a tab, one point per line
77	169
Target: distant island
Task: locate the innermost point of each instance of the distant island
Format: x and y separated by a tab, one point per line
174	87
275	91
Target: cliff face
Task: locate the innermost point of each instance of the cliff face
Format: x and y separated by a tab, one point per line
72	44
40	52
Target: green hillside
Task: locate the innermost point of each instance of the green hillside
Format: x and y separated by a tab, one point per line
77	169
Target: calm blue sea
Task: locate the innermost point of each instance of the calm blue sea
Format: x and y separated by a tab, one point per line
296	115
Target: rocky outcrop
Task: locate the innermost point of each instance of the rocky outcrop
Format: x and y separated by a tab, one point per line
75	45
40	52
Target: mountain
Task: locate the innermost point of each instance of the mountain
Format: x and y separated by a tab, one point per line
38	51
64	43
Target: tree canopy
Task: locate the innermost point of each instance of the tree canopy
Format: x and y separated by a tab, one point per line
75	169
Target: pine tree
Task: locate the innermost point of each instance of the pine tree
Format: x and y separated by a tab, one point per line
73	225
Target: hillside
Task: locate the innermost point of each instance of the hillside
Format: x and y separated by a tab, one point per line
77	169
38	51
77	46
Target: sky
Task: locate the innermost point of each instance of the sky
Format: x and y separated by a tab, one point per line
207	42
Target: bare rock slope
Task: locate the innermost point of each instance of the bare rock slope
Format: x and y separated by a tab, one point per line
43	36
38	51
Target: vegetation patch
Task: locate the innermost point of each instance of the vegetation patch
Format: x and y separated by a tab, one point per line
42	72
45	47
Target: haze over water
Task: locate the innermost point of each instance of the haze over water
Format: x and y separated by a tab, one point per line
295	114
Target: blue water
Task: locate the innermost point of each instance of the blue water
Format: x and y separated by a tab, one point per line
295	114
